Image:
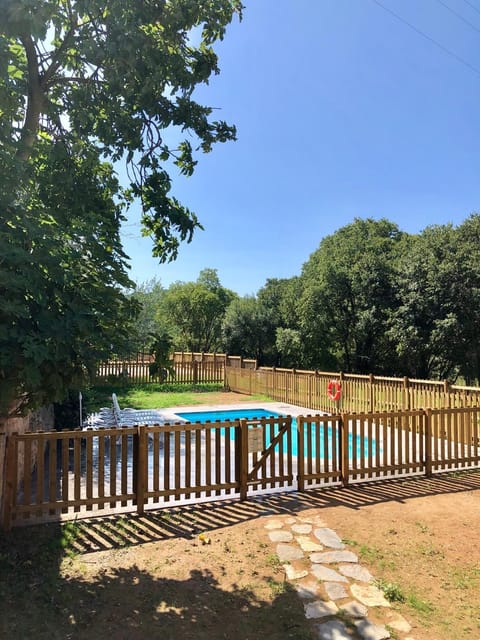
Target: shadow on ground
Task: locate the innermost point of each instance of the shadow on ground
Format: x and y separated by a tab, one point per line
38	599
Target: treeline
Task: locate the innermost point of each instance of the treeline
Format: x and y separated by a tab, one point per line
370	299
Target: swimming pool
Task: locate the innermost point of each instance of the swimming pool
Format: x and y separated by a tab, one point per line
316	439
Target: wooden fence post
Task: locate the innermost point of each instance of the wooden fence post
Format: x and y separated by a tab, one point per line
406	393
141	474
243	459
428	443
300	455
10	481
343	424
371	399
446	392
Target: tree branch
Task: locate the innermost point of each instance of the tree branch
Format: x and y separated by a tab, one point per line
34	99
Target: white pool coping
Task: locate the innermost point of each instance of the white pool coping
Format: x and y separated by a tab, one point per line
282	408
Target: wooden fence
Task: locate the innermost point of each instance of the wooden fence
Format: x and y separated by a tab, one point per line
97	471
188	368
360	393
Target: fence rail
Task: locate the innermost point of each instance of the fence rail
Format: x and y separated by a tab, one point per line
186	368
96	471
359	393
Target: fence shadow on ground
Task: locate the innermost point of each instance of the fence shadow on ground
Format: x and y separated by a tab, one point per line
120	531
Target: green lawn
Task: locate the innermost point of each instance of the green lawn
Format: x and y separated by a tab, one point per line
148	396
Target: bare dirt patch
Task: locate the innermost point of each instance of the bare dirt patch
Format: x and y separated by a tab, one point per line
422	540
154	576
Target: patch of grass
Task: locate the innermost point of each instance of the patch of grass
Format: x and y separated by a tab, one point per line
464	578
423	527
146	396
276	587
392	591
423	607
273	562
393	633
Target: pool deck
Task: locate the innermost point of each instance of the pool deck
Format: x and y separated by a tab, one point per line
282	408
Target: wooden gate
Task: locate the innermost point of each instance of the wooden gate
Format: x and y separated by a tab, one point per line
267	454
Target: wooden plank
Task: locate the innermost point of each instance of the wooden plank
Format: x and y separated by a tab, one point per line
65	468
228	457
113	469
11	481
52	471
177	460
208	461
166	463
142	487
218	458
124	467
243	476
101	465
40	475
198	460
27	475
188	461
89	468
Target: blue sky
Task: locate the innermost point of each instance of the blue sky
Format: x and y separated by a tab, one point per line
343	110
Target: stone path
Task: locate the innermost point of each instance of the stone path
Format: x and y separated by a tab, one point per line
339	595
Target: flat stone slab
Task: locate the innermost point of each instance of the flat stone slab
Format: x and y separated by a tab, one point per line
290	520
307	544
328	538
279	535
336	591
320	609
369	631
294	574
274	524
354	609
369	595
332	630
326	574
287	552
398	622
356	572
332	557
307	590
302	528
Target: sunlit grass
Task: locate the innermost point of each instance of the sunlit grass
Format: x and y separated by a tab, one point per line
155	396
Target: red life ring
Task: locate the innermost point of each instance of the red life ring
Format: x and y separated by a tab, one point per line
334	390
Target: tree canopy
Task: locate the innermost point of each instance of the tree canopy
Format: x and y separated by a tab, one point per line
85	85
370	299
193	312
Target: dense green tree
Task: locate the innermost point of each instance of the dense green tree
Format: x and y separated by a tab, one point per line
193	312
148	296
434	290
289	345
347	292
84	85
469	311
61	270
279	296
247	330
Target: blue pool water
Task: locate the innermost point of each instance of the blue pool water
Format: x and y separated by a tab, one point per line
249	414
231	414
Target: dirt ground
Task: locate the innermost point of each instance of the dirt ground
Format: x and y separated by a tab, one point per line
210	571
